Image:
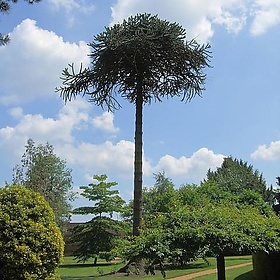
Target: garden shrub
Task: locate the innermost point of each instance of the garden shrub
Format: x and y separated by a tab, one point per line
31	243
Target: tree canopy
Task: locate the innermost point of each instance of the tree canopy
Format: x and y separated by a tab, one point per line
141	48
183	224
31	244
236	175
43	171
141	59
105	200
161	198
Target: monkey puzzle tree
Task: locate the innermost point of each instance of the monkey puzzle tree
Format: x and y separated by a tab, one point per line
141	59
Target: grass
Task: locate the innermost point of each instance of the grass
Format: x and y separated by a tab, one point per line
70	270
241	273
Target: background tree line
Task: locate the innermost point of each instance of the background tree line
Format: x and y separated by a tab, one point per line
231	212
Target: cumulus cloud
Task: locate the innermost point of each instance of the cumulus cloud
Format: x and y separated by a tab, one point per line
33	63
60	131
105	122
266	14
199	17
105	157
271	152
40	129
113	158
193	168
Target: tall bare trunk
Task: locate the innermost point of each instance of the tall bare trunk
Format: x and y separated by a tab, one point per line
137	209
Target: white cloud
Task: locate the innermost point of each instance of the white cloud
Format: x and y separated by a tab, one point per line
16	112
68	5
106	157
72	7
199	17
114	159
34	61
266	15
193	168
271	152
40	129
105	122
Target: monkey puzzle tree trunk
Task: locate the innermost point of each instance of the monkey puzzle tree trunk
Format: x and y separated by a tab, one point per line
137	207
221	269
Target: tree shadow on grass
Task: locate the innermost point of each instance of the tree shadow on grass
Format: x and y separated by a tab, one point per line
72	265
245	276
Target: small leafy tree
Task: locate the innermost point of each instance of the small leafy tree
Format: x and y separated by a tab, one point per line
101	234
5	7
142	59
106	201
200	221
43	171
31	244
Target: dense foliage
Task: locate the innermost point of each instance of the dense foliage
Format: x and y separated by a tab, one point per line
183	224
31	245
43	171
161	198
188	232
236	175
141	59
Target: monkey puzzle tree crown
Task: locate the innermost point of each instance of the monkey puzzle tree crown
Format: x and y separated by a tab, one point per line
141	51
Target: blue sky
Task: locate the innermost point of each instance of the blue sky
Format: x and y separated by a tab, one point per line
238	114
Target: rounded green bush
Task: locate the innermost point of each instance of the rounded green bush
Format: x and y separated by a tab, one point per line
31	244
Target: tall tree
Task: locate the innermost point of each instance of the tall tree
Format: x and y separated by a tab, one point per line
5	6
101	233
43	171
236	175
141	59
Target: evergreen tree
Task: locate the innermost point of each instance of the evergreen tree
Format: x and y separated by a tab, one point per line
236	175
142	59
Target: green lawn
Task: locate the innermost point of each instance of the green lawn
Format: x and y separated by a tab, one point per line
70	270
241	273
